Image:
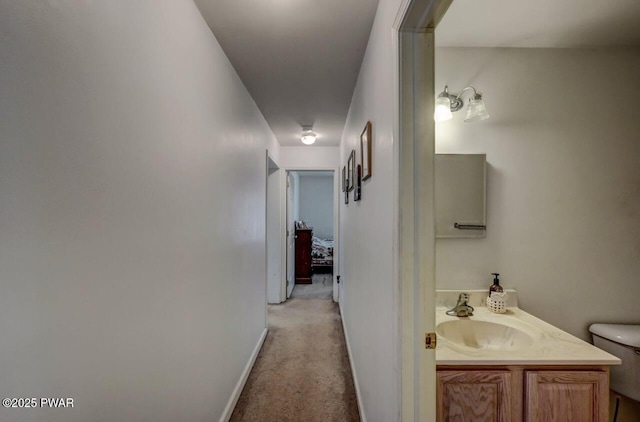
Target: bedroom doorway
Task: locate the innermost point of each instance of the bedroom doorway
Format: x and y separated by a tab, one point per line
311	229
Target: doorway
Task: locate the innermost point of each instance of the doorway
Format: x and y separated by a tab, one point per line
311	206
310	238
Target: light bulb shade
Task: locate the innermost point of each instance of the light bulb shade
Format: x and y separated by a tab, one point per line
308	137
443	109
476	110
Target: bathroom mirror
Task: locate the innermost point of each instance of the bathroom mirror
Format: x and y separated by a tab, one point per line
460	195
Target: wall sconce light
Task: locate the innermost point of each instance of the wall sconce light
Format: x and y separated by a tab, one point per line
308	136
447	103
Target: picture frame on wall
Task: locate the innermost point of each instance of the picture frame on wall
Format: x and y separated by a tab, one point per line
351	170
357	194
344	178
365	151
345	184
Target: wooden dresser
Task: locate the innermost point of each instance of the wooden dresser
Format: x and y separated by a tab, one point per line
303	256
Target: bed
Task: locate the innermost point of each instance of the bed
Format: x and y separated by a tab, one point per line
322	255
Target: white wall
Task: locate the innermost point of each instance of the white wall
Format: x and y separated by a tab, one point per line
316	203
309	157
132	212
370	292
563	180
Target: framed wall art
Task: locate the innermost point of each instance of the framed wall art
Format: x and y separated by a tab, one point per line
357	194
365	151
351	170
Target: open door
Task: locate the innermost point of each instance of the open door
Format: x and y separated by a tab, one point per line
291	233
274	228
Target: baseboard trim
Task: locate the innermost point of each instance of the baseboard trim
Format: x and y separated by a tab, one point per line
363	417
233	400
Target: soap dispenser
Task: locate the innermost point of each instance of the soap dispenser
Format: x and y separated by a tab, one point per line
495	287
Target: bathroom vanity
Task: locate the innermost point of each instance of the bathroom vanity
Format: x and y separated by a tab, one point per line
515	367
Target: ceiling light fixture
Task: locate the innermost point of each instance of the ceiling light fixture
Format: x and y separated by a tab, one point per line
447	103
308	136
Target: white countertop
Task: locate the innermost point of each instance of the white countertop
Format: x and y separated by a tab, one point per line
552	346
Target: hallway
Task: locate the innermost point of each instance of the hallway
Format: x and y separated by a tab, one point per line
302	372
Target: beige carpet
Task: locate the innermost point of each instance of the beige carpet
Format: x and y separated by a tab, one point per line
302	372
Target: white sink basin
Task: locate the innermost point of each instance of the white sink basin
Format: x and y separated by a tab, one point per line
487	335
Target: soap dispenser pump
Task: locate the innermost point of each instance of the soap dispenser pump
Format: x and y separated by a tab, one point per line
495	287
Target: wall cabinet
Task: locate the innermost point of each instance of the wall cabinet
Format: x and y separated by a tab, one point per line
460	195
522	393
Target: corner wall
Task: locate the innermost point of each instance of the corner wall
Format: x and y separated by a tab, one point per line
132	212
369	289
563	180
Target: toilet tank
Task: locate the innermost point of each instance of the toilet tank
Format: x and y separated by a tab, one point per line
623	341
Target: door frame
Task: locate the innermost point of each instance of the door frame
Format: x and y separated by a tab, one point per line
272	231
414	237
336	221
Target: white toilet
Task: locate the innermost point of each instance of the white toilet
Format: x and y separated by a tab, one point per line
623	341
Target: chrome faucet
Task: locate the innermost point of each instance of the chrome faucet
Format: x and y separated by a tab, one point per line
462	308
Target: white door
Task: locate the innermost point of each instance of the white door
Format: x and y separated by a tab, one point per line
274	226
291	233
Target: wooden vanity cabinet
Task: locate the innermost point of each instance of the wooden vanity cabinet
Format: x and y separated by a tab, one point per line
474	396
567	396
522	393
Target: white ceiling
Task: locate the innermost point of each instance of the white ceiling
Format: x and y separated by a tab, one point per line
299	59
540	23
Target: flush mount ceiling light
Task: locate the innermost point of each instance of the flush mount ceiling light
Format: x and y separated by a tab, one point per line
447	103
308	136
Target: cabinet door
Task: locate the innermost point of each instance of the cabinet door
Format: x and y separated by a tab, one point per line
474	396
567	396
460	195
